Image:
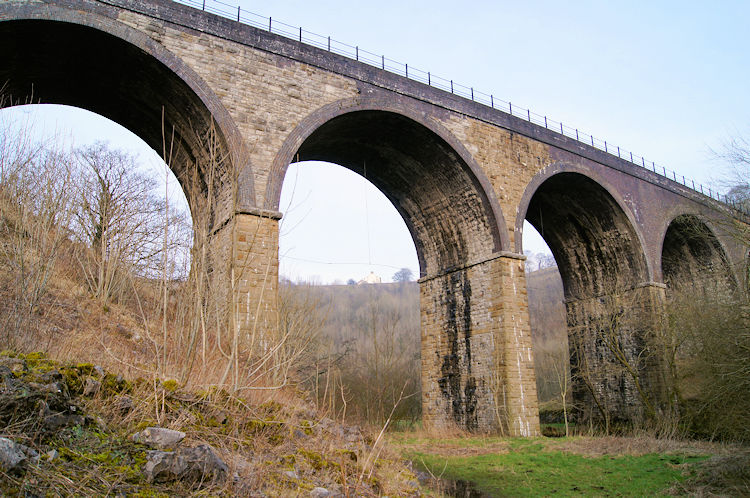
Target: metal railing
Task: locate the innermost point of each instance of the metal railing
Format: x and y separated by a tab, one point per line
297	33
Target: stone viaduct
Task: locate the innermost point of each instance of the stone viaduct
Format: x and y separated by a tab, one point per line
463	175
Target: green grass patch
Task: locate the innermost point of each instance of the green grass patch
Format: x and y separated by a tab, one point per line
530	468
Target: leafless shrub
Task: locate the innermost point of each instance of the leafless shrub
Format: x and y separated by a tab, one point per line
34	216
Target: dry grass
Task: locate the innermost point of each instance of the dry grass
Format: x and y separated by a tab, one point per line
636	446
274	448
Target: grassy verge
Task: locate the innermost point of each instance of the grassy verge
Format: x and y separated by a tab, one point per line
573	466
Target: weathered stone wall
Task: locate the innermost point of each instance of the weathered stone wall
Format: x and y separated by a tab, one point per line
477	363
616	357
462	174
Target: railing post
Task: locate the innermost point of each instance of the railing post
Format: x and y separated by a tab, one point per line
406	70
577	135
451	86
238	13
510	108
528	113
429	81
472	94
329	43
356	53
618	151
270	25
545	121
605	147
300	34
631	157
382	59
492	101
204	4
562	132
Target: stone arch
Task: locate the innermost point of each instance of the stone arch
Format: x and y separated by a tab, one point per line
611	304
460	237
56	55
692	255
568	194
443	195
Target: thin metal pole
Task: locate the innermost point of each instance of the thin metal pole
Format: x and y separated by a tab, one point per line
528	114
577	135
382	58
300	34
451	86
429	81
204	4
270	23
406	70
238	14
510	108
492	101
545	121
631	157
356	52
472	93
329	43
605	146
618	151
561	129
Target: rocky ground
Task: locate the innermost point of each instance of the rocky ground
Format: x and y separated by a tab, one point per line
73	430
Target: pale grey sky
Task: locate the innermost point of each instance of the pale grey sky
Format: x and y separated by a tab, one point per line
666	80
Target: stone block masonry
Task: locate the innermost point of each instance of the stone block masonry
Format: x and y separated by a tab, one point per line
463	176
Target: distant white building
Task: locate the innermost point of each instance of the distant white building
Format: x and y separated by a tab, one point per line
370	279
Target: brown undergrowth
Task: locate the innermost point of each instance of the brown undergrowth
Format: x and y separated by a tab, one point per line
84	437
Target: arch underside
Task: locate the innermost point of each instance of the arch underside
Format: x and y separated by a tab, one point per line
609	309
693	259
442	204
453	226
56	62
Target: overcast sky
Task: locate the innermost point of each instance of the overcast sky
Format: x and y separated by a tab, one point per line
667	80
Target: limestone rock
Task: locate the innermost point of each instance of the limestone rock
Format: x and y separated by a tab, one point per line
14	456
14	364
159	437
91	387
124	404
199	464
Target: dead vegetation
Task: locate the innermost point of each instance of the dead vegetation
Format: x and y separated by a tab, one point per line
72	286
79	421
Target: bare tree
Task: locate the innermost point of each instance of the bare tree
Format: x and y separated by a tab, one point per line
403	275
120	219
